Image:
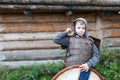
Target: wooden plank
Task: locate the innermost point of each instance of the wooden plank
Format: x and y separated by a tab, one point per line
20	11
33	27
61	7
92	26
89	16
34	11
22	55
28	45
46	1
112	42
4	11
118	48
32	36
17	64
28	36
95	34
38	27
112	17
44	17
111	33
111	25
64	2
106	2
99	26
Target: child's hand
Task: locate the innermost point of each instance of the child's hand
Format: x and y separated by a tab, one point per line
84	67
68	30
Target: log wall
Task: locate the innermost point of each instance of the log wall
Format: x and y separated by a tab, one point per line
111	30
29	39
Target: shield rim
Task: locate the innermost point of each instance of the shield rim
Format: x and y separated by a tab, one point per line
75	66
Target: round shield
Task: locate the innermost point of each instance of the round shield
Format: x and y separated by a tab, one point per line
73	73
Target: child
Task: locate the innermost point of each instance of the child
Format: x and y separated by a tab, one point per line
81	49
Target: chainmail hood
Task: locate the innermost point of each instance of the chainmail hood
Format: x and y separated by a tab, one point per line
86	25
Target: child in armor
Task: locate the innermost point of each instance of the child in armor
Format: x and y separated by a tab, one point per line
81	49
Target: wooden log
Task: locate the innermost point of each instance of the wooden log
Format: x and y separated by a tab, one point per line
99	26
112	42
28	45
111	33
113	17
46	17
17	64
61	7
45	2
4	11
22	55
95	34
118	48
34	11
28	36
38	27
106	2
89	16
43	17
111	25
33	27
64	2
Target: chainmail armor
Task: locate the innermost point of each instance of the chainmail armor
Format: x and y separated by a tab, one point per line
79	51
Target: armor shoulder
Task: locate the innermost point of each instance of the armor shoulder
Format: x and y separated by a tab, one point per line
96	41
63	46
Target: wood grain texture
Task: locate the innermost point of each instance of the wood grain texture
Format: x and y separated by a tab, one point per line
61	7
33	27
28	36
28	45
64	2
111	33
38	27
111	25
113	17
112	42
45	17
17	64
95	34
22	55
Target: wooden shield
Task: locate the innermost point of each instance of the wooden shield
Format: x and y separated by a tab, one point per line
73	72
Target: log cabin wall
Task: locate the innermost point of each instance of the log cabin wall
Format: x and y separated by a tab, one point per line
27	40
111	30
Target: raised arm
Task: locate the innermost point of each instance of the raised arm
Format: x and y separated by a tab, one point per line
62	39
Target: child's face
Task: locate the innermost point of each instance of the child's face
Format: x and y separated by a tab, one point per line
80	28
